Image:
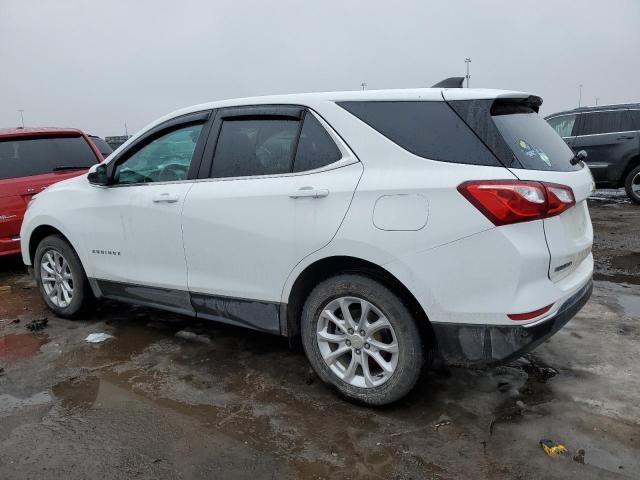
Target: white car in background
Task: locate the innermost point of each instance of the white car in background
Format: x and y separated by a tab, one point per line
380	227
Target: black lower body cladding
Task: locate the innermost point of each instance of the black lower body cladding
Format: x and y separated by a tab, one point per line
464	344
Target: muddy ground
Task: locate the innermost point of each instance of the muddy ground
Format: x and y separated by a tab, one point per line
221	402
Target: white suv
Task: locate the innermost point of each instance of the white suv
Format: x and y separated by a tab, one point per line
380	227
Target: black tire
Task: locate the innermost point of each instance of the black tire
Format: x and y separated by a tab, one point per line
410	349
82	294
633	175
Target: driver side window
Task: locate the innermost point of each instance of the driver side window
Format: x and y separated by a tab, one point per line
165	159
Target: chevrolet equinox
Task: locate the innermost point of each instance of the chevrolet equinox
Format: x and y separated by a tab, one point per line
381	228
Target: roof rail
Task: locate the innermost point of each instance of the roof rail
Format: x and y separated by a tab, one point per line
451	82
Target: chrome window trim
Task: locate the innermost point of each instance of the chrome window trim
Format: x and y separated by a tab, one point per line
606	133
609	110
551	117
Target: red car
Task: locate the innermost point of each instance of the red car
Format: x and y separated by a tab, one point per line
31	159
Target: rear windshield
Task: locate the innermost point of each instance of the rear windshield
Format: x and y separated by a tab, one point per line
34	156
516	134
534	142
425	128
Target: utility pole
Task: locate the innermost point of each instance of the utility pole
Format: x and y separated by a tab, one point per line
580	95
468	75
597	100
22	116
363	85
126	131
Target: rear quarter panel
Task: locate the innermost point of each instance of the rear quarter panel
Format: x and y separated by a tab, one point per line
390	170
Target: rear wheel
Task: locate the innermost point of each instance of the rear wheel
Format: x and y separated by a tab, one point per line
632	184
361	339
60	277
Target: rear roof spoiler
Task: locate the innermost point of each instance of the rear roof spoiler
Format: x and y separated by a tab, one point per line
451	82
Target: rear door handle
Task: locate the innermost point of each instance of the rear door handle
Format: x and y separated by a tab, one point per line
165	198
309	192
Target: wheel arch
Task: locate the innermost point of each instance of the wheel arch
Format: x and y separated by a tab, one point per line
331	266
39	234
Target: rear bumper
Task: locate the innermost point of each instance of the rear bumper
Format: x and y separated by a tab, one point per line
469	344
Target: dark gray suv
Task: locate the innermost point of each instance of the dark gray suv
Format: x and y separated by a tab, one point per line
610	134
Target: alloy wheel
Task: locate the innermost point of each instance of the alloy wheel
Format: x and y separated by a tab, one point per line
57	279
357	342
635	185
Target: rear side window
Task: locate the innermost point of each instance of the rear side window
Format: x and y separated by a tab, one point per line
563	124
255	146
594	123
316	148
635	119
35	156
430	130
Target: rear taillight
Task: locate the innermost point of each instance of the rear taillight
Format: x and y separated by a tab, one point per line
512	201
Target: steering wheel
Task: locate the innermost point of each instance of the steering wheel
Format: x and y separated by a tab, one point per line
171	172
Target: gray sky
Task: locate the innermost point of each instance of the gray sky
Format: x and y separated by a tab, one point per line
96	64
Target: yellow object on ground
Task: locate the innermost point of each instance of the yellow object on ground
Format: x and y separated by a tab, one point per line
553	449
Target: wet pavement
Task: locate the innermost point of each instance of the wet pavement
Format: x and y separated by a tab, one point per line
220	402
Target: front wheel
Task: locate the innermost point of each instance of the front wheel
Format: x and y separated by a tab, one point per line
632	184
360	338
60	277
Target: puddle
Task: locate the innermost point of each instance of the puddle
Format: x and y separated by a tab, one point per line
77	393
532	393
621	296
21	345
631	305
605	461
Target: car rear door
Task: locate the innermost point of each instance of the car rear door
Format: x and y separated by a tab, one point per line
608	137
276	183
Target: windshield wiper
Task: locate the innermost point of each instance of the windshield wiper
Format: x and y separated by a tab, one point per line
578	157
67	167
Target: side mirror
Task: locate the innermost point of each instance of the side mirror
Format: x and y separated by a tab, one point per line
98	175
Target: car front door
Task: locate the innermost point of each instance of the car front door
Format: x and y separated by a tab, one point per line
608	138
276	185
141	210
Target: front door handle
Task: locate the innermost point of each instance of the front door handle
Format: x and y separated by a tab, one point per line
165	198
309	192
